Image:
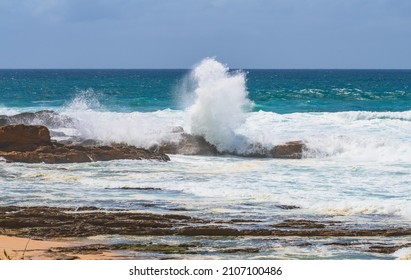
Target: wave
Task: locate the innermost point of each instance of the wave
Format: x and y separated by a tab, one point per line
6	111
366	136
220	105
221	113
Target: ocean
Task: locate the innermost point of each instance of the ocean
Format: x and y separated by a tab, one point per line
356	125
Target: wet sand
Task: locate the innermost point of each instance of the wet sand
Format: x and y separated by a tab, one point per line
17	248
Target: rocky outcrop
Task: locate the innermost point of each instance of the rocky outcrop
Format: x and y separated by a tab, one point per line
54	222
187	145
289	150
47	118
196	145
23	138
32	144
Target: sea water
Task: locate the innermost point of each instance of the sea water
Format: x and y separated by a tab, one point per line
356	125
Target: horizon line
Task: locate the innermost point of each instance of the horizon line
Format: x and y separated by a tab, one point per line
405	69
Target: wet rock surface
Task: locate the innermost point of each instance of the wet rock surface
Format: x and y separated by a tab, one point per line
183	235
47	118
22	138
32	144
186	144
289	150
42	222
196	145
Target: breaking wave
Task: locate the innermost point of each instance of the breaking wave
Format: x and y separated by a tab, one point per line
220	105
221	112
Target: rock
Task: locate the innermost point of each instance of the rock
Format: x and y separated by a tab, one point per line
57	134
387	249
79	154
208	231
45	117
196	145
90	142
23	138
299	224
32	144
289	150
287	207
177	129
52	222
187	145
4	120
240	250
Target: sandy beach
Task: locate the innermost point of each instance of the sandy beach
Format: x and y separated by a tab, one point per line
18	248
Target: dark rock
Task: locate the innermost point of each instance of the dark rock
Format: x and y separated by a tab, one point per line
241	250
208	231
23	138
87	208
32	144
4	120
100	248
197	145
136	188
289	150
45	117
48	222
304	244
290	223
243	221
287	207
187	145
387	249
181	209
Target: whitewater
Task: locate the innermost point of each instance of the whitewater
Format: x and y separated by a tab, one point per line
356	166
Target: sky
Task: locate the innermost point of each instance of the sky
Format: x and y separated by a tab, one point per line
321	34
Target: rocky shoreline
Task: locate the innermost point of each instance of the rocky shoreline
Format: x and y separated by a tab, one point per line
33	144
51	223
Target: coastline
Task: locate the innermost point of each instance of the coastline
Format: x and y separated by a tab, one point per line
87	233
20	248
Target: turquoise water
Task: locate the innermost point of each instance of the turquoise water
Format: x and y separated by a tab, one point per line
280	91
356	125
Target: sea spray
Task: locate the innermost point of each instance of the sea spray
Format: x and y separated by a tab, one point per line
136	128
220	105
85	100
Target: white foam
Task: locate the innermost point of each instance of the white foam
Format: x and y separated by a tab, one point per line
368	136
9	111
348	136
403	254
140	129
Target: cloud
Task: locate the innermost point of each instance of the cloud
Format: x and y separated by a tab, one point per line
66	10
177	33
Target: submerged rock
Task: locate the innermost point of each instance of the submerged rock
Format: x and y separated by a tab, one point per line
32	144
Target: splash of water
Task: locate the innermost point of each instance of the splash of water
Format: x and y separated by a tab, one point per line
85	100
220	105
